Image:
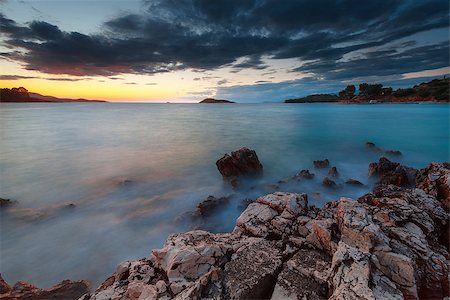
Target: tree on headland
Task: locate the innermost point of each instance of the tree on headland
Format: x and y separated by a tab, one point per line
347	93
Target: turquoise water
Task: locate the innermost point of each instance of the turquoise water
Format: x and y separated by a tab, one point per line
131	170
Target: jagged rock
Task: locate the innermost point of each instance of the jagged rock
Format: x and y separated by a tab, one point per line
435	180
209	205
354	182
253	270
393	173
241	162
390	244
66	289
304	174
304	276
5	202
393	152
333	172
320	164
327	182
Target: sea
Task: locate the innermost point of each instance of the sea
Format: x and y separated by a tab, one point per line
95	184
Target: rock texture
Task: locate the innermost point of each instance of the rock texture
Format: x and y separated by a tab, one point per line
393	173
241	162
389	244
435	180
66	290
320	164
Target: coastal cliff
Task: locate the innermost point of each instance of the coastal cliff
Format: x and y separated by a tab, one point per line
391	243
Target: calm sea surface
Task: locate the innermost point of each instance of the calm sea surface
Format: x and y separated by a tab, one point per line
131	170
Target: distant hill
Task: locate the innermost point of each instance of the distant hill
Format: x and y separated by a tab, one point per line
315	98
436	90
21	94
212	100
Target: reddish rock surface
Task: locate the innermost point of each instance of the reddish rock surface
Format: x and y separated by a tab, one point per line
241	162
392	173
435	180
320	164
67	290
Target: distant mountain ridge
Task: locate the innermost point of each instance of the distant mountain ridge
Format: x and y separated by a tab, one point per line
212	100
21	94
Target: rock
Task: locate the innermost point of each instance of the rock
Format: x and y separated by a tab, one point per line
210	205
435	180
392	173
66	289
212	100
4	287
5	202
241	162
354	182
393	152
304	174
320	164
333	172
327	182
390	244
372	147
304	276
245	203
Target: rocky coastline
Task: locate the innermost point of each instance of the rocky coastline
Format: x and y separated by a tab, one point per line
392	243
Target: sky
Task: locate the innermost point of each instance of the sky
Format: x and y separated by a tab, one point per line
240	50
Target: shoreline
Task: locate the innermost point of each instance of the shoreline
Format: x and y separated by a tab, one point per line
282	246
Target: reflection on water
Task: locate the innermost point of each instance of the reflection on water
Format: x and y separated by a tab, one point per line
130	171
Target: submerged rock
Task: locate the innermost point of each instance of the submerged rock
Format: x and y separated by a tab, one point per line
241	162
354	182
5	202
304	174
320	164
393	152
210	205
390	244
333	172
393	173
327	182
66	289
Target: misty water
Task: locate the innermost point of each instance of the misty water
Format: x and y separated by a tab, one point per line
131	171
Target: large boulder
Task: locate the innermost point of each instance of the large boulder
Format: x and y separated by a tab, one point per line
435	180
240	162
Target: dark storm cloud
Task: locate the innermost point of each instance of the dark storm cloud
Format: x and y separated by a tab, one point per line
205	35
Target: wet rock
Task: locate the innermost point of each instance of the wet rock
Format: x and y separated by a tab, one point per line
321	164
435	180
5	202
241	162
354	182
66	289
245	203
210	205
304	174
392	173
393	153
327	182
333	172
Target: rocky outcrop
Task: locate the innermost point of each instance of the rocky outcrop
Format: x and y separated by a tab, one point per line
354	182
212	100
210	205
333	172
435	180
241	162
320	164
328	183
389	244
393	173
67	290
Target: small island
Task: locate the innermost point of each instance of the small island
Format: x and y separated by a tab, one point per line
212	100
22	95
435	91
